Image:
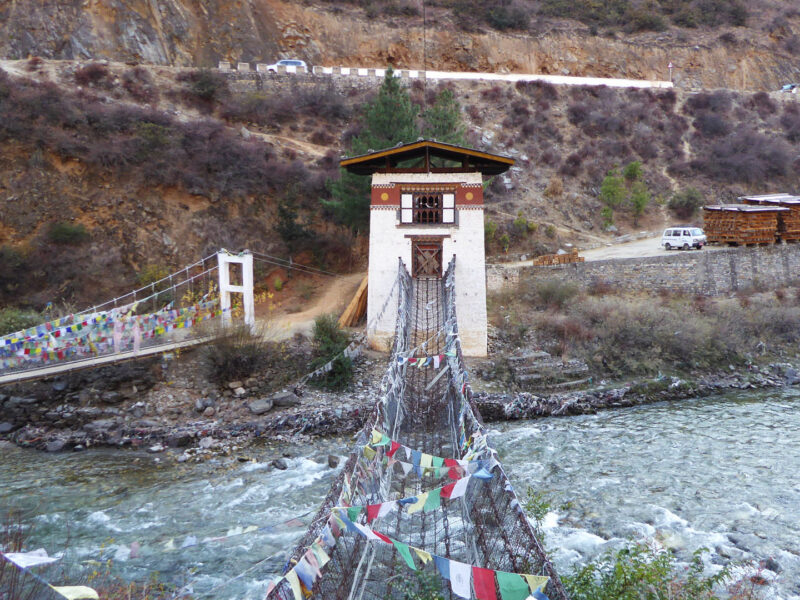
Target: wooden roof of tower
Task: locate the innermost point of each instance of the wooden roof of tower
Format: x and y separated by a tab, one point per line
387	161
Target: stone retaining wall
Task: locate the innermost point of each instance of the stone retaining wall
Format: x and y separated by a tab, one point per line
694	272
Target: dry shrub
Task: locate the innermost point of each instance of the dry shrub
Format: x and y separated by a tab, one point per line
91	74
555	187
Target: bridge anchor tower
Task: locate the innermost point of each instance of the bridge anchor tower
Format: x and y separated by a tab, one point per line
426	207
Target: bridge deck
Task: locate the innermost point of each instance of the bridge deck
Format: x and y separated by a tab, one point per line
428	415
98	361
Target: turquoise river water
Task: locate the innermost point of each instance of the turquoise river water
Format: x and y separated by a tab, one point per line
721	473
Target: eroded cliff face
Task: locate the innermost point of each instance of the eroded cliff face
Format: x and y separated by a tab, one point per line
201	32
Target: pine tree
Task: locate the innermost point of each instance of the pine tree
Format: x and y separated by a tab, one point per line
387	120
442	121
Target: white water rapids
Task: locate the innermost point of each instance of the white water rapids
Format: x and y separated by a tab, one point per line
721	473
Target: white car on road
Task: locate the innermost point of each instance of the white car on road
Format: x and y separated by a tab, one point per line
683	237
299	66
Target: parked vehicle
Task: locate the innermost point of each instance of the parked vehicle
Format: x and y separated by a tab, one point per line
300	65
683	237
790	87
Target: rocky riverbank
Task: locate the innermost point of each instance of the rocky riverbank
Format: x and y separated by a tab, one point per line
168	406
160	405
524	405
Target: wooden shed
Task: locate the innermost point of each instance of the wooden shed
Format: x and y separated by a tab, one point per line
741	223
788	222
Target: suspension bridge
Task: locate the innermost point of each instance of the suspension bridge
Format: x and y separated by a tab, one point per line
183	309
423	507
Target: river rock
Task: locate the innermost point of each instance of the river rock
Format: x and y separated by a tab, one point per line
333	461
155	448
285	399
199	405
209	411
235	384
792	377
99	425
55	445
6	427
207	443
239	392
179	440
771	564
111	397
59	385
259	407
280	464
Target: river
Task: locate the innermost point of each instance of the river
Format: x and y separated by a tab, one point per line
719	472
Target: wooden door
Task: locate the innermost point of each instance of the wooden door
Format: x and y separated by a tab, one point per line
426	258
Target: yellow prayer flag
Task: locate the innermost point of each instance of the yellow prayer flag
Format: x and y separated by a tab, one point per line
425	557
369	453
376	436
417	506
536	582
294	582
76	592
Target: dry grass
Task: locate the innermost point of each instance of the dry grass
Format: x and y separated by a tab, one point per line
637	334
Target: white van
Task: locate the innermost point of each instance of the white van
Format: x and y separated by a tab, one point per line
683	237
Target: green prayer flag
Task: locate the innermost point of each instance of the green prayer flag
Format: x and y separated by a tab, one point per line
512	586
438	461
404	552
385	440
433	501
353	512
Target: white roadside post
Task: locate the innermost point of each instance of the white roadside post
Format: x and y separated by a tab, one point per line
225	259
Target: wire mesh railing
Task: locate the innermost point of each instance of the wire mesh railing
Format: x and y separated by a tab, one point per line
422	503
164	311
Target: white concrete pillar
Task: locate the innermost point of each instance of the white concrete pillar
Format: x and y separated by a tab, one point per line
224	260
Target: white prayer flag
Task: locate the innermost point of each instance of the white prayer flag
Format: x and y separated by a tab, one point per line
26	560
461	579
460	487
386	508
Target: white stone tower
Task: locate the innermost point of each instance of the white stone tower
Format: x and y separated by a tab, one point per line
426	207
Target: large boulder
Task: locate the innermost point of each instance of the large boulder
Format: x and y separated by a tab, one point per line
285	399
259	407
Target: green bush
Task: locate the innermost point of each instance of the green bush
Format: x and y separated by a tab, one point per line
67	233
236	353
684	204
278	284
15	319
632	171
642	572
329	342
489	231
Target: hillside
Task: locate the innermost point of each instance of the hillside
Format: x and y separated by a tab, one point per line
712	43
145	169
141	163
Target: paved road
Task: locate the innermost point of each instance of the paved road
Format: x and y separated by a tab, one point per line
646	247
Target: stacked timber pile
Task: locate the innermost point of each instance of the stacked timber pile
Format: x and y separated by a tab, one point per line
788	222
741	223
548	260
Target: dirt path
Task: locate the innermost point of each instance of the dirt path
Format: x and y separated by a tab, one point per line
333	299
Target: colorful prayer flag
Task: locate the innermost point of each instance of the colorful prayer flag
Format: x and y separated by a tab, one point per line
483	580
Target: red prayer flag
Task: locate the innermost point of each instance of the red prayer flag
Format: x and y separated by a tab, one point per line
383	537
60	354
372	512
450	462
483	580
393	448
447	490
